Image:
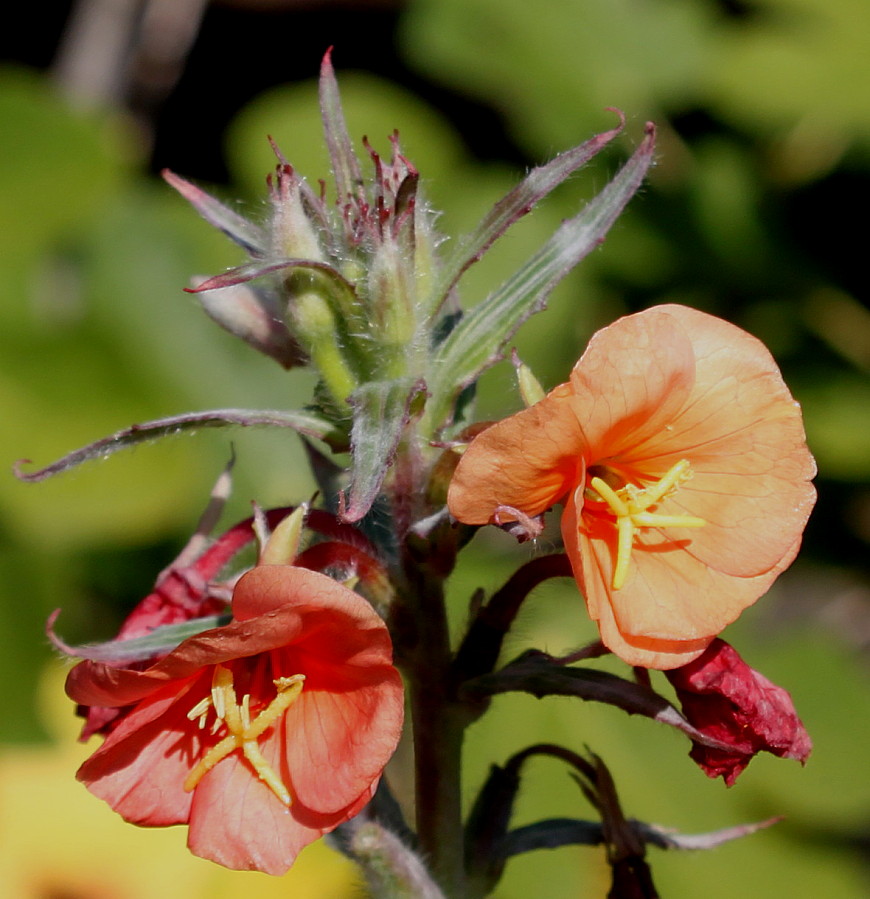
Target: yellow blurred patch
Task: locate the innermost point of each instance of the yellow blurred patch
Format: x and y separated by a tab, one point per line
56	840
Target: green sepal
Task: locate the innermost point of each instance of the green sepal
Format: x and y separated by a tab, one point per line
345	164
513	206
381	410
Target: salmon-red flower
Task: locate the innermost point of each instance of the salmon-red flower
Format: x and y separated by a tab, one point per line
681	458
261	735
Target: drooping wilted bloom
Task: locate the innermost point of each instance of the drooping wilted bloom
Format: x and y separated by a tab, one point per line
726	699
261	735
681	459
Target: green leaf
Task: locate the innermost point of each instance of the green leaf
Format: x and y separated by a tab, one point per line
161	640
512	207
479	339
308	423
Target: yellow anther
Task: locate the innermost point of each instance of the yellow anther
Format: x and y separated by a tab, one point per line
200	710
242	731
631	504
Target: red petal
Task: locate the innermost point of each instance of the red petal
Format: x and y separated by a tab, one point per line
338	742
236	820
140	768
276	604
724	698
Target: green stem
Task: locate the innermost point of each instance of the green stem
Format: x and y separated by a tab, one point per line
438	755
438	724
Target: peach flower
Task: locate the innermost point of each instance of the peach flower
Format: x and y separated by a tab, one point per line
681	460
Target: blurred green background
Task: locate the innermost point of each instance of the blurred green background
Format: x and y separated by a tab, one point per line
756	211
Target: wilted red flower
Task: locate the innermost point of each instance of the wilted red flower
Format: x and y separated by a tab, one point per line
261	735
726	699
681	458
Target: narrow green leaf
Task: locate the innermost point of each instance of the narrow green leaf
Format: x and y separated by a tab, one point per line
381	410
304	422
160	641
514	205
478	340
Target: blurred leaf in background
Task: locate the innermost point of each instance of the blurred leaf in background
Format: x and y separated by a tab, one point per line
764	156
97	334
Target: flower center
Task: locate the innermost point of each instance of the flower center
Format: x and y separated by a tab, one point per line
631	505
242	732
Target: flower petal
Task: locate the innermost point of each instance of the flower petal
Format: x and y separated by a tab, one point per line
591	559
276	604
668	384
742	432
268	587
726	699
671	605
141	767
236	820
631	381
98	684
527	461
338	741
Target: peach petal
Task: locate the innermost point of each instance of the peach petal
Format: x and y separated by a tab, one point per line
652	389
668	598
647	652
527	461
742	432
633	378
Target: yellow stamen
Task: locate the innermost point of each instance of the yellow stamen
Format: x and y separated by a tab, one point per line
243	733
200	710
631	505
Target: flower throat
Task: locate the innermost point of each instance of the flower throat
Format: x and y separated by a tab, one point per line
632	507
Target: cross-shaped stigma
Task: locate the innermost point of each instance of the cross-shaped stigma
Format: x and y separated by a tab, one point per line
242	732
631	505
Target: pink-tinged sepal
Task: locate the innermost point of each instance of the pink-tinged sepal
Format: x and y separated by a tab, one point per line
239	229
